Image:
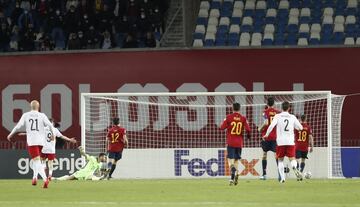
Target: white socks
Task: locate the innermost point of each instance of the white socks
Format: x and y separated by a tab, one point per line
293	164
39	167
35	170
281	169
51	167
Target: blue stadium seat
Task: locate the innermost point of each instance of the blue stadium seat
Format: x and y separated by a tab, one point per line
198	36
327	28
282	13
249	13
260	13
227	5
271	4
294	4
351	30
209	43
306	4
215	5
316	20
291	39
201	21
338	38
245	28
270	20
350	11
267	42
223	29
292	28
233	39
304	20
340	5
258	28
325	40
225	13
339	12
314	41
220	36
329	3
316	4
220	42
304	35
233	36
235	20
281	28
279	39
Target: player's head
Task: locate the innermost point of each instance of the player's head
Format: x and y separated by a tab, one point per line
52	121
102	157
116	121
236	107
35	105
270	101
303	118
285	106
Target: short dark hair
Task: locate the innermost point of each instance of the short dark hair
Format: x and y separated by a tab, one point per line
303	117
285	106
236	106
116	121
102	154
51	120
270	101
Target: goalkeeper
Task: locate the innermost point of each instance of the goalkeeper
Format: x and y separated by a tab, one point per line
93	165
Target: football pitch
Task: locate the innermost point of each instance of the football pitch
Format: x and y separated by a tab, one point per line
173	193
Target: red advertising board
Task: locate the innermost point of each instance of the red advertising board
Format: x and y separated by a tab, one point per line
58	79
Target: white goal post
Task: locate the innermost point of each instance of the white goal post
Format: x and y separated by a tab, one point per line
177	135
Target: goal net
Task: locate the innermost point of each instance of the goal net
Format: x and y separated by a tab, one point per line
177	134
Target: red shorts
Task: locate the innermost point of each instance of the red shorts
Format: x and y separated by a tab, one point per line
48	156
286	150
34	151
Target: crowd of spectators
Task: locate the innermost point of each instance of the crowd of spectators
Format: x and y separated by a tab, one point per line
44	25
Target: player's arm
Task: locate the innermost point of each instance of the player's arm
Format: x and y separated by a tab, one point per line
82	153
61	136
261	128
16	128
311	140
125	140
297	124
247	129
271	127
224	125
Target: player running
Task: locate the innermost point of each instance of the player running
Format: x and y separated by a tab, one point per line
48	150
302	140
93	164
117	141
268	144
235	124
35	123
285	124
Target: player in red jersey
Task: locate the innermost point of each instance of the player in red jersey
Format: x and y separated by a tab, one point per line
303	139
268	144
235	125
117	141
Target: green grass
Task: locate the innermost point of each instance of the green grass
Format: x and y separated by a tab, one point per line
173	193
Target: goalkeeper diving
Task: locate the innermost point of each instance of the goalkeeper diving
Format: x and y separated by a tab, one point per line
92	167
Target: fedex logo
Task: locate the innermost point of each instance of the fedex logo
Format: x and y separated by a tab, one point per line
212	167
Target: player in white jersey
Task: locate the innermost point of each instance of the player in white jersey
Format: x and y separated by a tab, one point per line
35	123
48	150
285	138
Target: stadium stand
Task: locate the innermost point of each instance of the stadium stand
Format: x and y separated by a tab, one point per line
43	25
273	22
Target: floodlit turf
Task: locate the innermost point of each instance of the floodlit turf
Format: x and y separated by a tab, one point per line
172	193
